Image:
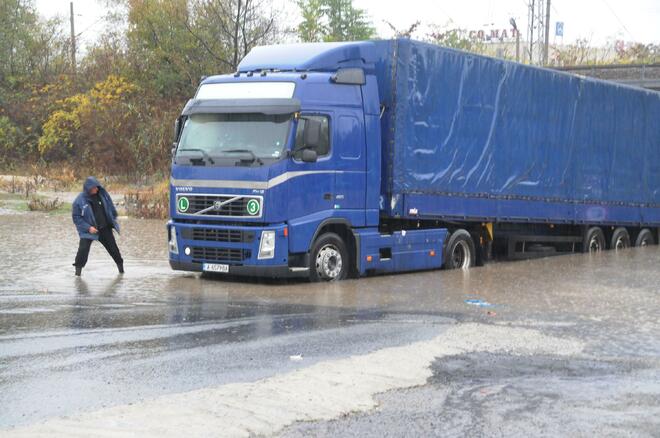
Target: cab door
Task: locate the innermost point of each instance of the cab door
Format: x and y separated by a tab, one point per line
312	185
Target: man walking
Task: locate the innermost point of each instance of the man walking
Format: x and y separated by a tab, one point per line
95	216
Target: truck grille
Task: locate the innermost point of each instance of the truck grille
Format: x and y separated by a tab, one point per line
220	254
238	207
216	235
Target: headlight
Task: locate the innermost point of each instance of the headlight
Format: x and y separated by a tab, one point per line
267	245
174	247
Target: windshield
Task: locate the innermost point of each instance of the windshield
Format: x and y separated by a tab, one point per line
240	138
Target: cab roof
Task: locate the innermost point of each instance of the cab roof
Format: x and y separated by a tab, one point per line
312	56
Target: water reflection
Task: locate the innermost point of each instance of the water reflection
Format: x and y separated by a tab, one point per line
40	277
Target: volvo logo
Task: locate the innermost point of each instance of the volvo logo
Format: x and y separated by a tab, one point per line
217	205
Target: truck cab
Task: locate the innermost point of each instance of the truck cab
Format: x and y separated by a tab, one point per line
276	167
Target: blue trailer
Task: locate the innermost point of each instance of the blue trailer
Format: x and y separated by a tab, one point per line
337	159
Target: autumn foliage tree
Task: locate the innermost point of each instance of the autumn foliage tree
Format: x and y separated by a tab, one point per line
93	128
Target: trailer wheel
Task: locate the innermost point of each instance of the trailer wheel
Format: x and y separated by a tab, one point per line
620	239
644	238
594	240
460	251
329	259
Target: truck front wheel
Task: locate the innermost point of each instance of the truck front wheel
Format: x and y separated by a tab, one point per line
460	251
329	259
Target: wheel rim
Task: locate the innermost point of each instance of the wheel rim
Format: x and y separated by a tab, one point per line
644	243
594	244
620	243
329	262
461	255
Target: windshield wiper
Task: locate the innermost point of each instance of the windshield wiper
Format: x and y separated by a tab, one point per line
245	151
204	154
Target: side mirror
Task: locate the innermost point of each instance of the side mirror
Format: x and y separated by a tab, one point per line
309	156
312	133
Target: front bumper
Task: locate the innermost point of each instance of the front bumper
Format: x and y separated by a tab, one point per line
233	245
279	271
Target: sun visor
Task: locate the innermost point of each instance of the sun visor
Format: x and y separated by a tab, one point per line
226	106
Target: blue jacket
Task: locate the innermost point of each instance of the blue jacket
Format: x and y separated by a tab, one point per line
83	215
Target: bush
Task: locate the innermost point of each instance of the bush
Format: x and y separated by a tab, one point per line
42	204
93	127
9	140
152	203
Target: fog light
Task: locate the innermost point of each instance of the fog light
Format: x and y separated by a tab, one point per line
174	247
187	250
267	245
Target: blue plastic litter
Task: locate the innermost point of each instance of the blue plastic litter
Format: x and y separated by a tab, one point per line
479	303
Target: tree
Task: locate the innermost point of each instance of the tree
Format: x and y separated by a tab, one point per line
178	41
455	38
229	29
579	53
162	53
93	127
404	33
32	50
637	53
333	20
311	29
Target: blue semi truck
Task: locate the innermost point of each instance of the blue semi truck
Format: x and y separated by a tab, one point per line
340	159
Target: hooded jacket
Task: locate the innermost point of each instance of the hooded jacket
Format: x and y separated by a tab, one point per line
83	215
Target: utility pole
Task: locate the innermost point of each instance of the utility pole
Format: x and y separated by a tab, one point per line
73	42
538	31
547	33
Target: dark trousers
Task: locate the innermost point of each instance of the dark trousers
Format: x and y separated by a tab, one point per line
107	239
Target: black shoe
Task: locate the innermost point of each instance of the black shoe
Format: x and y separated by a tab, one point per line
78	271
121	268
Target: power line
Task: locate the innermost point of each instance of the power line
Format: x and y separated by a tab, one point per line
618	19
90	26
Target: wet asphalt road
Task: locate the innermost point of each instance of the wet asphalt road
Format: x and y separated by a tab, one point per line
73	346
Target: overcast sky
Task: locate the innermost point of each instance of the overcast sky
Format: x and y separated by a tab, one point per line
598	21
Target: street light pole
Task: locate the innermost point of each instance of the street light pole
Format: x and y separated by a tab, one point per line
513	23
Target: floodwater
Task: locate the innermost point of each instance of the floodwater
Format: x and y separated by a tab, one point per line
81	347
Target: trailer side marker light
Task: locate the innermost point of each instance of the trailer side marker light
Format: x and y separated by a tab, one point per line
286	231
432	253
369	258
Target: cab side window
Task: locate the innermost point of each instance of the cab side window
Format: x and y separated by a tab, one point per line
323	148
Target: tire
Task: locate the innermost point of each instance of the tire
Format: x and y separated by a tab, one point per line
460	251
329	259
645	238
620	239
594	240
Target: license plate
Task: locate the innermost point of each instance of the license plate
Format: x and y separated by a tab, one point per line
215	267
